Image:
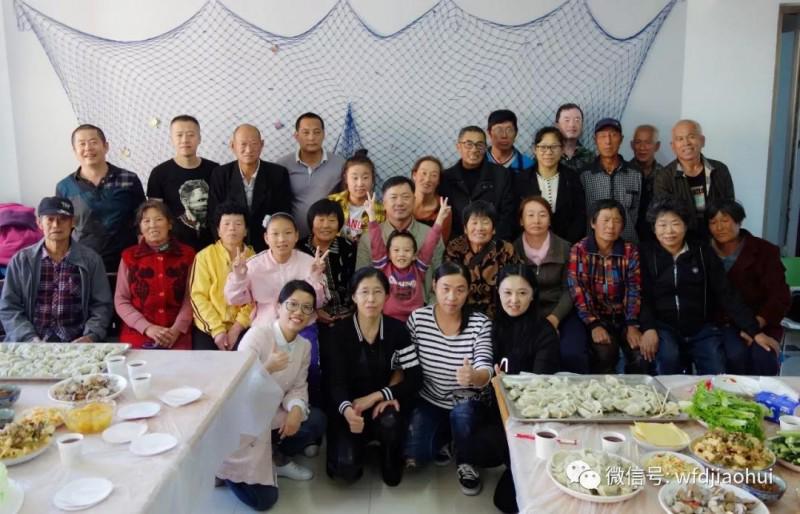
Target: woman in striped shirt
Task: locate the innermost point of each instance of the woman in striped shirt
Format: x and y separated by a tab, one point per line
454	347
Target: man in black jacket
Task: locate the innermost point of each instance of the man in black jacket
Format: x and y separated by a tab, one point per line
472	178
260	186
691	179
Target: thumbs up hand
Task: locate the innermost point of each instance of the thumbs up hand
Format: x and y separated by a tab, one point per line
465	374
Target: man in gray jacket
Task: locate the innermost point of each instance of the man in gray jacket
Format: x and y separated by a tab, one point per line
56	290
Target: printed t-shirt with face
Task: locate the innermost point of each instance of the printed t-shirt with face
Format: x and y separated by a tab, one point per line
352	228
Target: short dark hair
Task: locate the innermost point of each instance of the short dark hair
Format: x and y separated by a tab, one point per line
278	216
325	207
296	285
153	203
471	128
566	107
515	270
184	117
308	115
230	208
480	208
535	199
667	205
88	126
359	157
548	130
397	180
501	116
730	207
607	203
366	272
398	234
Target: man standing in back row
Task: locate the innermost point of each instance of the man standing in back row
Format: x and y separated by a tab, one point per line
182	183
313	172
691	179
105	197
261	187
569	120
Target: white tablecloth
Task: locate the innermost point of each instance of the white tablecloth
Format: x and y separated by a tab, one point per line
537	494
236	397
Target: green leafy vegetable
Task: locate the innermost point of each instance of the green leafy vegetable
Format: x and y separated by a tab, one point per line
786	446
720	409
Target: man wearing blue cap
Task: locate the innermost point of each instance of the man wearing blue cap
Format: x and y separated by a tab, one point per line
610	177
56	290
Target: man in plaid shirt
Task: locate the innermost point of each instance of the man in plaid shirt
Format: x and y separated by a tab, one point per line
605	283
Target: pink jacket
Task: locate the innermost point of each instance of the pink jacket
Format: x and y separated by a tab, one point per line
263	282
18	229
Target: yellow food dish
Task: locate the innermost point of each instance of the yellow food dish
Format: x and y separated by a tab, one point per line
671	466
51	415
90	417
660	434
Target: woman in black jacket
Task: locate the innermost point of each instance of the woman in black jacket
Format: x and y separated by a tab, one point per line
557	184
373	369
683	285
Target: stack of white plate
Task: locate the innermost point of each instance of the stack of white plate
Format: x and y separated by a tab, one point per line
83	493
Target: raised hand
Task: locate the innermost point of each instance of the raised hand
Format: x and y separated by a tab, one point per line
465	374
369	206
277	361
239	263
444	211
318	266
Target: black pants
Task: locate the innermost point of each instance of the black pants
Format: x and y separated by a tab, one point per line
256	496
490	449
604	357
346	450
203	341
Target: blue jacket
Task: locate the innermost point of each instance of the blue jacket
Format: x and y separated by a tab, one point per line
519	162
18	299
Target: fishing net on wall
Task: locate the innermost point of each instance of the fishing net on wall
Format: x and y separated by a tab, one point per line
400	96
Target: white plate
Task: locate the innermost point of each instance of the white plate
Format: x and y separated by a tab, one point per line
83	493
653	448
121	384
125	432
685	458
30	456
14	499
139	410
181	396
669	491
153	444
589	497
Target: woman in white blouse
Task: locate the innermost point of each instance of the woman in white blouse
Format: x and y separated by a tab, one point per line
285	355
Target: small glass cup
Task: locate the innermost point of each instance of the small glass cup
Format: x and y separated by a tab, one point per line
141	386
116	365
136	368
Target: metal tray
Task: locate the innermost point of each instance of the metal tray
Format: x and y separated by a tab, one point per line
119	349
617	417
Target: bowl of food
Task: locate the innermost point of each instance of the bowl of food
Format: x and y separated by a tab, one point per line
87	387
679	498
591	475
660	436
9	394
669	466
732	451
767	487
90	416
786	446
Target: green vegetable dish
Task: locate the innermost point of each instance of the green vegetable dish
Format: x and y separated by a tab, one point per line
786	446
720	409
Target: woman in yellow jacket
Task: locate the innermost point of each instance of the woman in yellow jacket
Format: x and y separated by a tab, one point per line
358	179
218	325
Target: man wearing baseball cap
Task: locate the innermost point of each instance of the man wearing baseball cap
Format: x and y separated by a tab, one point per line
56	290
610	177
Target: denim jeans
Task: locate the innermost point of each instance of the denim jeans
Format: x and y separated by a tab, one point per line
574	345
431	427
309	432
677	353
747	360
256	496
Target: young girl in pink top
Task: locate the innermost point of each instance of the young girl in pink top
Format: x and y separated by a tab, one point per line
402	265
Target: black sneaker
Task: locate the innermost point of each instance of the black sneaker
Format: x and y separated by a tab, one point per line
469	479
444	457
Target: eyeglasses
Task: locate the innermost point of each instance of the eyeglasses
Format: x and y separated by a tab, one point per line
365	293
472	145
293	306
548	148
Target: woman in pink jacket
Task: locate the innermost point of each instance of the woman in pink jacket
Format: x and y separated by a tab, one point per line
285	355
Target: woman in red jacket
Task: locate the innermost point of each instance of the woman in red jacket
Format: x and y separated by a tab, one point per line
754	268
151	295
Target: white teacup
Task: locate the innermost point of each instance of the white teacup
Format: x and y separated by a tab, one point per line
116	365
613	442
141	385
546	443
136	368
789	423
70	448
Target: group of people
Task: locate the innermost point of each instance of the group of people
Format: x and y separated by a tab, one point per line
386	319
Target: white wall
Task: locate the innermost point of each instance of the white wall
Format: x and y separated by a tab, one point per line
43	117
9	174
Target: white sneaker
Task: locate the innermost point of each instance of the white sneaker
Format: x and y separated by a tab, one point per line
294	471
310	451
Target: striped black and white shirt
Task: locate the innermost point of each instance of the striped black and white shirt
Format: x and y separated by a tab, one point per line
441	355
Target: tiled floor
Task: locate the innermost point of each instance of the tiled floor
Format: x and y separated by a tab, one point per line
432	489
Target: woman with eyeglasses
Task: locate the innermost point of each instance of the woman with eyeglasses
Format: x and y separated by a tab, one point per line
374	375
285	355
556	183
